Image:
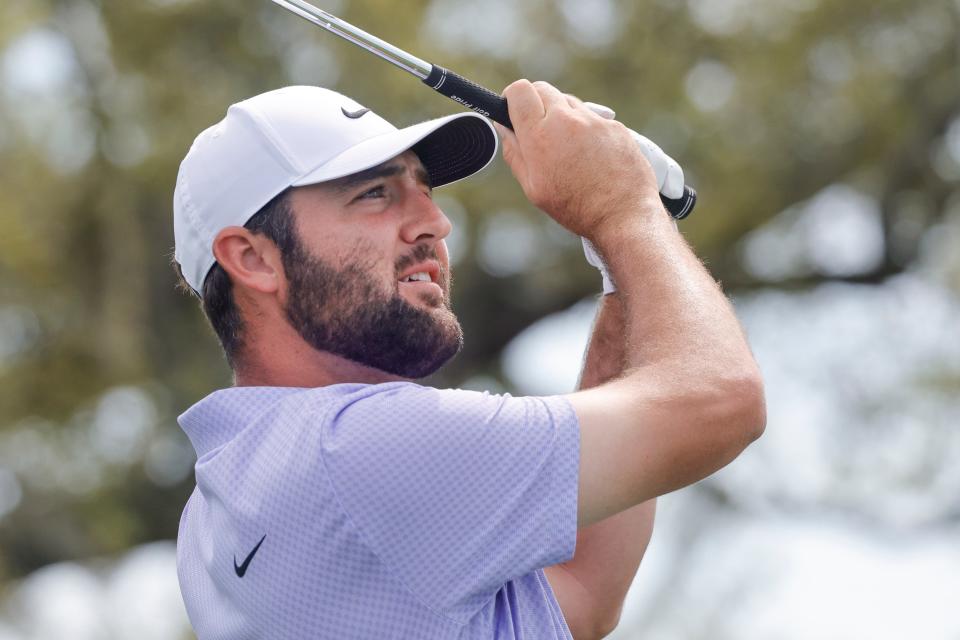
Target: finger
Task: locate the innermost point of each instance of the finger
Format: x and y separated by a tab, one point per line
506	135
573	100
598	109
524	103
551	96
604	112
511	152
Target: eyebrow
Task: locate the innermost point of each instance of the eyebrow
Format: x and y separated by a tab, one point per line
385	170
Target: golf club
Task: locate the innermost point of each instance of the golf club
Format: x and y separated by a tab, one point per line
456	87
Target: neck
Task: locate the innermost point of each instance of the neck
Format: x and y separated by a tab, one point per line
301	366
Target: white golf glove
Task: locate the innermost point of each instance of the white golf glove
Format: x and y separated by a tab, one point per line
669	181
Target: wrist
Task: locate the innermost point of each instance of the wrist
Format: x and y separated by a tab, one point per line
641	218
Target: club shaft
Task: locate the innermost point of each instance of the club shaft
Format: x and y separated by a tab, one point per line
444	81
359	37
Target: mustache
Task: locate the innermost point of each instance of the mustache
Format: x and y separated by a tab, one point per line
420	253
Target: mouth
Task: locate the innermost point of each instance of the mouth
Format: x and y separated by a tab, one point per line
423	278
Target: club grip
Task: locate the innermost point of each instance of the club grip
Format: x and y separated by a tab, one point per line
469	94
494	106
681	207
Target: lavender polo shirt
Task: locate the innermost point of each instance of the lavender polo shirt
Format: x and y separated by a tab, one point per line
377	512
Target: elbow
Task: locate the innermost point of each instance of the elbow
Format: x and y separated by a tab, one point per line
734	403
601	627
609	624
751	414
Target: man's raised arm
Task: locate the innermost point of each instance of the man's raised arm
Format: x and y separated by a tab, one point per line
691	397
591	587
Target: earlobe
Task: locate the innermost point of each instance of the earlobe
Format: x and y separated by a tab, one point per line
251	261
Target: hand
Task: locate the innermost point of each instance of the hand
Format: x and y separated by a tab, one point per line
670	179
583	170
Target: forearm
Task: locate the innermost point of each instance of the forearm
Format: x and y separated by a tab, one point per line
597	579
675	315
608	552
605	356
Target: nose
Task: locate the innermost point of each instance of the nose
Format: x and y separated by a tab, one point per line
423	219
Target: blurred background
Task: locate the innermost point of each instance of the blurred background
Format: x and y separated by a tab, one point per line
822	135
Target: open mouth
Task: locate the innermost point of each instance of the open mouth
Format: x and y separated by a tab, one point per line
423	278
420	276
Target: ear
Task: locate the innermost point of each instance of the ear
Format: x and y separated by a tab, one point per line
252	261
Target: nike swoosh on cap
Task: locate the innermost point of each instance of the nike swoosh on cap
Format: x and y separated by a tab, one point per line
353	115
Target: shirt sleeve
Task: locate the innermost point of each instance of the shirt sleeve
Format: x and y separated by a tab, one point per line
457	492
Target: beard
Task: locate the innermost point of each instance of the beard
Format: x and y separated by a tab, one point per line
350	313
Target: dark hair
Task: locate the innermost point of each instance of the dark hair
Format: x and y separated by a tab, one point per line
275	221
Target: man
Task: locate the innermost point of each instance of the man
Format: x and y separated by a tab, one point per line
336	498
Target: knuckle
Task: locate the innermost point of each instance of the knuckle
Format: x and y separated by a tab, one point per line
572	118
618	126
516	85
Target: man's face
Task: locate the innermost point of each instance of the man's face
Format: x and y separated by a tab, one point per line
369	279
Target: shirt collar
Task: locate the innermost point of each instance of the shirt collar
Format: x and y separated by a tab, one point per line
218	418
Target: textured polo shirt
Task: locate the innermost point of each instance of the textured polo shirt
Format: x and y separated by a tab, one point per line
376	512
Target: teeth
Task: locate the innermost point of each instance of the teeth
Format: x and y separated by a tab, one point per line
418	277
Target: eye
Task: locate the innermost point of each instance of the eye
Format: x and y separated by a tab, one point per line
378	191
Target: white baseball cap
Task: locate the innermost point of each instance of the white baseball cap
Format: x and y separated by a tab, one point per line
298	136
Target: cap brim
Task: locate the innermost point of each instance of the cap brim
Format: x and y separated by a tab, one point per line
451	148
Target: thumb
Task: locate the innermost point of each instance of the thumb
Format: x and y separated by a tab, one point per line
512	154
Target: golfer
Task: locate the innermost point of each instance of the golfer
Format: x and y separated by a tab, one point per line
337	498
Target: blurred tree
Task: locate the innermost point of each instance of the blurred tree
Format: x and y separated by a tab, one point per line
764	104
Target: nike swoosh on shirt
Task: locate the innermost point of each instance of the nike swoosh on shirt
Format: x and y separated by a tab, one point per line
242	569
353	115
